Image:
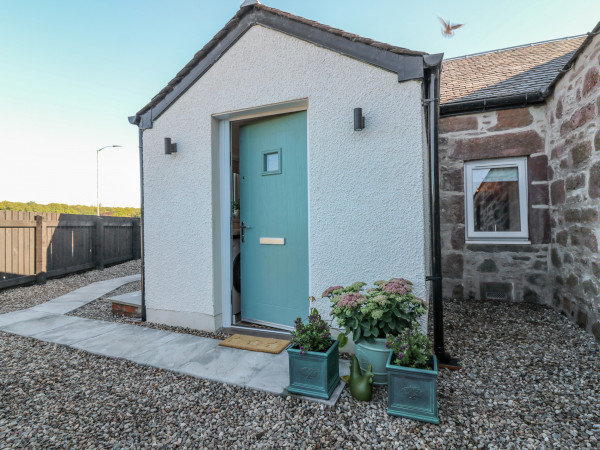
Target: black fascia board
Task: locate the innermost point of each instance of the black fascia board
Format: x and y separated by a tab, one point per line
408	67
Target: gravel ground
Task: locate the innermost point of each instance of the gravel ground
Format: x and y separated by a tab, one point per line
530	379
26	297
100	309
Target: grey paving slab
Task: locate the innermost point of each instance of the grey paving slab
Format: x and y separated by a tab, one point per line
58	308
37	325
274	377
78	330
19	316
344	367
175	353
131	299
82	296
125	341
226	365
331	401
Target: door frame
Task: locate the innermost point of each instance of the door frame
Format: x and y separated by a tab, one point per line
226	188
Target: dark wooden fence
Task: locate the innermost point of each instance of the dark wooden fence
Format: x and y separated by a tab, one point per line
36	246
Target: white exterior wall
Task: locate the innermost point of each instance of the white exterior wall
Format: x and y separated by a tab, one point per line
367	212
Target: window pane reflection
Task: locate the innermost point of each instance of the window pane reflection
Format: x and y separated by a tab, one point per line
272	162
496	199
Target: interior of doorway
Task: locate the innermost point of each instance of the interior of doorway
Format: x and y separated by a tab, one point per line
236	291
238	324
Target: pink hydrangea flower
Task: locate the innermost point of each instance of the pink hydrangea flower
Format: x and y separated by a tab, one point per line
397	286
351	300
400	280
329	290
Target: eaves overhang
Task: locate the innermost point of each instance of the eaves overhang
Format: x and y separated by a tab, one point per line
407	64
492	103
517	99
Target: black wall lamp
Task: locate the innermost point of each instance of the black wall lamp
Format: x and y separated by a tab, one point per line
359	119
170	148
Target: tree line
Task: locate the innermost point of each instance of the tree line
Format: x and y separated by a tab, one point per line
62	208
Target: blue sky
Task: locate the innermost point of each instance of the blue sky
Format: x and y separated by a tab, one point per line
73	71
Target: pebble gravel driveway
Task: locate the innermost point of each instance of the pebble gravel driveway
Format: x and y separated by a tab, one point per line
530	379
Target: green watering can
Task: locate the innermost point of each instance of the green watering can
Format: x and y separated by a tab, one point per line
361	386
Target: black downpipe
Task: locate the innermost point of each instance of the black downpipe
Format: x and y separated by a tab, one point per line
141	149
433	64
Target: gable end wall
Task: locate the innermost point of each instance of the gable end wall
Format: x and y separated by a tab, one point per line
366	210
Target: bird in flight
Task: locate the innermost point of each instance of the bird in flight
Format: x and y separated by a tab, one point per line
448	28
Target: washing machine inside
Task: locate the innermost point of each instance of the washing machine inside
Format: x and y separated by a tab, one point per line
236	297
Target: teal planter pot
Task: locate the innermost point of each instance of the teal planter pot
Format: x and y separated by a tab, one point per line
412	393
314	374
375	354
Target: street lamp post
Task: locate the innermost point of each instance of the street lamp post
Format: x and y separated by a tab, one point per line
98	176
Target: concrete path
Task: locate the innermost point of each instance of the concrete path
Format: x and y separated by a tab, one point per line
183	353
82	296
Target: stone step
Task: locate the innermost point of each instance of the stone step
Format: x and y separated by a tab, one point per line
127	304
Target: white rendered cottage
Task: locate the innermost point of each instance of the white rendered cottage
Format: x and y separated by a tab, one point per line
265	114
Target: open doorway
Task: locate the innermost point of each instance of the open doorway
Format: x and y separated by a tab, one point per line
236	290
269	221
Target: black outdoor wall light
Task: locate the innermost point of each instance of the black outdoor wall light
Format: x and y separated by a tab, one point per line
359	119
170	148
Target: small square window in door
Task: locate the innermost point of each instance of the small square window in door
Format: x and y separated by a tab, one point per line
271	163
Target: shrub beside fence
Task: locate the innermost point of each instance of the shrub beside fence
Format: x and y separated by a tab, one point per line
36	246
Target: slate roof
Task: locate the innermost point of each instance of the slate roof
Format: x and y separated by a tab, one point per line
517	70
259	7
342	33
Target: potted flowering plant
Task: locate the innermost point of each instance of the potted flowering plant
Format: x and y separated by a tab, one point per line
388	307
313	358
412	377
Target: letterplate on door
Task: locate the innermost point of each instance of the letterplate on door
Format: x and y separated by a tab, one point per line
272	241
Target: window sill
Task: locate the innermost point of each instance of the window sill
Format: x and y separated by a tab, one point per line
498	241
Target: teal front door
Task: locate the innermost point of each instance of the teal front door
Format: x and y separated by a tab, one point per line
274	212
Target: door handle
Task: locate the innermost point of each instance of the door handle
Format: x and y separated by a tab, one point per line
243	227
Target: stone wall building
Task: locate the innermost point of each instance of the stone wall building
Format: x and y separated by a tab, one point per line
524	118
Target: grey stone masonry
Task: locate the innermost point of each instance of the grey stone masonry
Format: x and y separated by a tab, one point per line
573	142
512	272
561	140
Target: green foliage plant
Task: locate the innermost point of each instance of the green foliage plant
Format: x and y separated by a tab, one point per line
387	308
313	336
62	208
411	348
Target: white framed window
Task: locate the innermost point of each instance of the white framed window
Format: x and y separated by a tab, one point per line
496	201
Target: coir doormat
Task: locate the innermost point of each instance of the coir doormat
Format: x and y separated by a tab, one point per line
255	344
